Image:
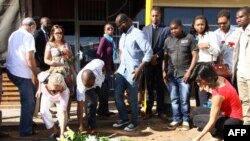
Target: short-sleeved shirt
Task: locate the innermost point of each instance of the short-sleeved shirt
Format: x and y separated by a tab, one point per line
179	52
19	44
95	66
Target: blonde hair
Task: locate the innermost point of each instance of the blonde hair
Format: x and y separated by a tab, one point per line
57	79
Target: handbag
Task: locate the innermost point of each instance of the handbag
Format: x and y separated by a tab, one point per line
222	69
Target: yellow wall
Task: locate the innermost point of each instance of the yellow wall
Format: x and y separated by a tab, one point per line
202	3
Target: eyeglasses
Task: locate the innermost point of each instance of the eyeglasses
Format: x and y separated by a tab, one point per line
121	23
57	33
110	28
222	23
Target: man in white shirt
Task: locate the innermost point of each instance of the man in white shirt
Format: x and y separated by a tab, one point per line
21	70
241	63
224	35
89	80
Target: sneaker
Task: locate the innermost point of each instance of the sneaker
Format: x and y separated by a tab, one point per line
130	127
120	123
185	126
173	125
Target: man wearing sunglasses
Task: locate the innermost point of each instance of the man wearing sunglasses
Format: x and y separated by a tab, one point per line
135	51
54	91
89	81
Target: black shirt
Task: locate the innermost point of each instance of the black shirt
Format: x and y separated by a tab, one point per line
179	52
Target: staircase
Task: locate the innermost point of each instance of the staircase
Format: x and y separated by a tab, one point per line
10	94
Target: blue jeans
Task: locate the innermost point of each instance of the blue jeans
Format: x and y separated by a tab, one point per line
123	82
27	97
180	96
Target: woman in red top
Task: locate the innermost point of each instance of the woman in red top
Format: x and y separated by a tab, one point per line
225	108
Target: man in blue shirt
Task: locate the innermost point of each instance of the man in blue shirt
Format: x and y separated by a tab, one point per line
135	52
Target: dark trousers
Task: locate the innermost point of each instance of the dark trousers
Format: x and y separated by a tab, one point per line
103	96
90	104
201	97
154	80
27	94
201	118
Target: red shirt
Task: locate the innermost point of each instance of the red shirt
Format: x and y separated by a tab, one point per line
231	105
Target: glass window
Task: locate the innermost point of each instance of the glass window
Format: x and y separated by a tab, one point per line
186	15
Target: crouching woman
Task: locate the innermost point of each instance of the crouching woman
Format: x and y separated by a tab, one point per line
226	106
54	91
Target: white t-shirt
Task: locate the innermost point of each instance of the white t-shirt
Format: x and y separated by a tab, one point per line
95	66
19	44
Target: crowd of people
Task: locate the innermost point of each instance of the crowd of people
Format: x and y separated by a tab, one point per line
41	64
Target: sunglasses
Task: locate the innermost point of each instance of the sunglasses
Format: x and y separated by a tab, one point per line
110	28
54	92
119	26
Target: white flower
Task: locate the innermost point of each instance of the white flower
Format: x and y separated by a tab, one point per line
70	133
91	138
115	139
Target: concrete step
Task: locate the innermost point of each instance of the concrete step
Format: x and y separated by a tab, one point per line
10	103
11	93
9	98
10	88
7	83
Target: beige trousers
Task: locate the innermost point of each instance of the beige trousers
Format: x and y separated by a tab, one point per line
244	93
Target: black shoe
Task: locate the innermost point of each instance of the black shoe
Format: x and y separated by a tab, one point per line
107	114
148	116
110	113
28	134
162	116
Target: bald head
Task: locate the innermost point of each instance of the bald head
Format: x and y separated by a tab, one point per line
45	23
121	18
88	78
123	22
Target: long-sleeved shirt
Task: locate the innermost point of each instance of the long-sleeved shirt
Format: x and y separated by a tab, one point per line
210	54
135	49
225	48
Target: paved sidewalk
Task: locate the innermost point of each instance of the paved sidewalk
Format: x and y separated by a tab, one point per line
149	130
